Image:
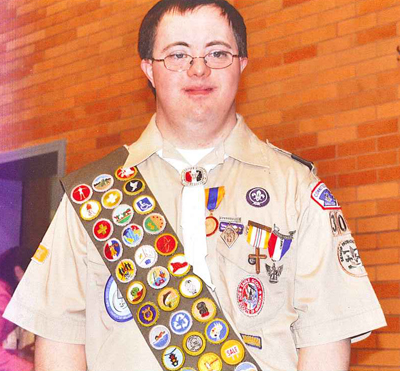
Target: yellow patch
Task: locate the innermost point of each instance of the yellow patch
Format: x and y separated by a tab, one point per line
41	254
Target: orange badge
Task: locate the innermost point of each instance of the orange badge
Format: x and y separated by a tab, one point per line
41	254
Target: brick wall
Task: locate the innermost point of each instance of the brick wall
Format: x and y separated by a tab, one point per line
323	82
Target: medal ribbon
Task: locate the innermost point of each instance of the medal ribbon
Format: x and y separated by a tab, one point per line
214	197
258	235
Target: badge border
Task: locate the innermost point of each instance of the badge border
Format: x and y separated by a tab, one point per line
109	235
87	199
119	256
156	317
209	324
166	283
169	341
208	319
147	211
165	224
112	183
126	223
94	217
162	306
201	286
166	234
116	205
341	265
338	207
183	360
144	293
179	275
136	192
240	346
203	347
134	275
125	179
170	321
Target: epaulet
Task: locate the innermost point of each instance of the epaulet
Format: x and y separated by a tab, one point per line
299	159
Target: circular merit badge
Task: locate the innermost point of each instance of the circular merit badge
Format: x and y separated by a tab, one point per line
134	187
211	225
81	193
146	256
232	352
178	266
132	235
180	322
102	229
90	210
204	309
209	362
194	343
349	258
158	277
173	358
111	199
166	244
154	223
125	173
159	337
122	215
144	204
257	197
103	183
115	304
246	366
112	249
147	314
136	292
250	296
190	286
217	331
125	270
168	299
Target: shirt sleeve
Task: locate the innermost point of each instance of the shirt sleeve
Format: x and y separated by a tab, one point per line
333	296
50	299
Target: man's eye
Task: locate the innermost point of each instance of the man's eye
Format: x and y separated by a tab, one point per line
218	54
178	55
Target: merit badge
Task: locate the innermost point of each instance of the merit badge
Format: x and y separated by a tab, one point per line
173	358
103	183
213	197
81	193
180	322
168	299
112	249
41	254
338	223
178	266
134	187
115	304
239	228
246	366
166	244
136	292
209	362
102	229
193	176
159	337
191	286
273	272
279	244
90	210
122	215
111	198
323	197
250	296
194	343
252	341
204	309
148	314
125	173
229	236
158	277
232	352
154	223
125	270
257	197
217	331
349	258
144	204
132	235
146	256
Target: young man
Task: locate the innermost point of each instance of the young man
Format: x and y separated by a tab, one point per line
278	258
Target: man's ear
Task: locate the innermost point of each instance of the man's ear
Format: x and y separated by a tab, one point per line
147	68
243	63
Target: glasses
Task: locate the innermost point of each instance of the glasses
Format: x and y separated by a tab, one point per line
179	62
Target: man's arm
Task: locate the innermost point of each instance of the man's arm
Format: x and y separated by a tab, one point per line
328	357
54	356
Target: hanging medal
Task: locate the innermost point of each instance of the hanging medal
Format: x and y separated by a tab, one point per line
214	197
258	236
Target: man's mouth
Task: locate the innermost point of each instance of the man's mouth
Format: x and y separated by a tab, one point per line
198	90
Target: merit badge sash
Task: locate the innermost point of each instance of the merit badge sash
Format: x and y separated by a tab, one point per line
174	310
213	197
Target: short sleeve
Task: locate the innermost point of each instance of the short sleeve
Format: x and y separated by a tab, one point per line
333	296
50	299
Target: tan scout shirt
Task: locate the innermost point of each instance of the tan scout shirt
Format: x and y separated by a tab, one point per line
317	298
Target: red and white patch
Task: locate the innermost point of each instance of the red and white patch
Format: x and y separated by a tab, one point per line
81	193
323	197
103	229
250	296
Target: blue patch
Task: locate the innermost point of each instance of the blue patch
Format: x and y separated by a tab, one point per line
180	322
323	197
115	304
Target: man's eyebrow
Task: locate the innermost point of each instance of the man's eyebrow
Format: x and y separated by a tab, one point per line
218	42
178	43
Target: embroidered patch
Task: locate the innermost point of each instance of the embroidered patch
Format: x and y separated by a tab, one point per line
349	258
204	310
180	322
158	277
168	299
112	249
136	292
134	187
178	266
194	343
114	302
166	244
103	229
159	337
103	183
252	340
154	223
125	270
208	359
232	352
323	197
144	204
125	173
191	286
257	197
148	314
173	358
111	199
90	210
81	193
217	331
132	235
41	254
338	223
146	256
250	296
246	366
122	215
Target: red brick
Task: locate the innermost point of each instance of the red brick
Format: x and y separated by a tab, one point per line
388	341
383	357
393	324
375	34
300	54
390	239
299	142
287	3
336	166
366	241
380	257
378	128
359	209
389	206
257	64
357	147
358	178
377	160
358	85
108	140
388	174
319	153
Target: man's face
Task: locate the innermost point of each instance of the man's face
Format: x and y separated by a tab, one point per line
200	93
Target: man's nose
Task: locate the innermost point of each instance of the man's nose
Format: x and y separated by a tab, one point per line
199	67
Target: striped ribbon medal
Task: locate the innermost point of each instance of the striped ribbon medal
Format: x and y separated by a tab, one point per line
214	197
258	236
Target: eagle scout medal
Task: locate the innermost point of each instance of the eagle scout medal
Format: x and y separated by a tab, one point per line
232	352
159	337
279	244
217	331
158	277
144	204
103	183
213	197
168	299
245	366
136	292
113	249
191	286
349	258
273	272
194	176
250	296
115	304
180	322
122	215
194	343
166	244
125	270
111	199
148	314
132	235
125	173
178	266
81	193
173	358
134	187
257	197
102	229
204	310
146	256
154	223
209	362
90	210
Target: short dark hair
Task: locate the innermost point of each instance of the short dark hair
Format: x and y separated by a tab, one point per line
148	28
11	258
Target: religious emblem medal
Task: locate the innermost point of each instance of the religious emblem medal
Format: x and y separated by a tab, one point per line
258	236
214	197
